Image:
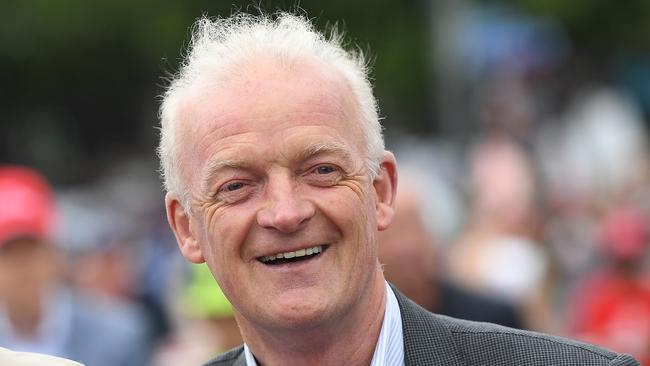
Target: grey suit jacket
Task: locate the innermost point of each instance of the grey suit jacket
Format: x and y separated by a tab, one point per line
431	339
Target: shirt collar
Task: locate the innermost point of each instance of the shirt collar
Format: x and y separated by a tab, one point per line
389	350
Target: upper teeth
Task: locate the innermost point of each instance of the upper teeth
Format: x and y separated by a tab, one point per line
294	254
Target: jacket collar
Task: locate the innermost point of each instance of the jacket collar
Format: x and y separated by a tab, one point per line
427	341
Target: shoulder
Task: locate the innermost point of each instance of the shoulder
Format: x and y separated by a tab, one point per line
228	358
478	343
431	338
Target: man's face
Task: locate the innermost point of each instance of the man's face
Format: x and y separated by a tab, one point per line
276	170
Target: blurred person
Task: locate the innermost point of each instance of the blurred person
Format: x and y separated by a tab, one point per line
410	262
119	250
612	305
38	312
207	301
277	178
597	151
108	272
205	325
591	157
497	253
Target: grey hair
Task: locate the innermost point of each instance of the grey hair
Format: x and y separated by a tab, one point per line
218	44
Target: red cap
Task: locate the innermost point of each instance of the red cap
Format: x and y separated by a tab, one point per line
26	204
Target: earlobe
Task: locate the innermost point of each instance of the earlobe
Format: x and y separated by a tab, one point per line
181	224
385	187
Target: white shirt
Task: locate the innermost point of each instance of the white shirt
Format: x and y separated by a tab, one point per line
389	350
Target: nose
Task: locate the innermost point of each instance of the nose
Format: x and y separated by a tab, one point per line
285	209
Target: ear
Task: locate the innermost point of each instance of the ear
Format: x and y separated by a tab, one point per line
385	187
182	226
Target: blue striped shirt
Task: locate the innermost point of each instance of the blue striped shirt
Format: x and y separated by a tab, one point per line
389	350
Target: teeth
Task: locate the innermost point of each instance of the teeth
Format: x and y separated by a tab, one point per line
296	254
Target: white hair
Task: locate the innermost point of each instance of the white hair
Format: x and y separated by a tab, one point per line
220	44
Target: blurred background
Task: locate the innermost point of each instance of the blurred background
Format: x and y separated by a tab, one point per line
520	128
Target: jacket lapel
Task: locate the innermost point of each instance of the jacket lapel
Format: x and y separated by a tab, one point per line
426	339
240	361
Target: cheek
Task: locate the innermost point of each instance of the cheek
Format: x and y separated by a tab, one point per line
354	215
224	237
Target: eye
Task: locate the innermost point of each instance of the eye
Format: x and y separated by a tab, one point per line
233	191
324	169
325	175
233	186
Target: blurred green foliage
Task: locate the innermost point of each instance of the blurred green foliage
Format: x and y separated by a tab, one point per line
604	25
80	78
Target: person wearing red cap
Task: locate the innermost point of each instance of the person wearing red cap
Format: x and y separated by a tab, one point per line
27	267
612	306
27	210
38	312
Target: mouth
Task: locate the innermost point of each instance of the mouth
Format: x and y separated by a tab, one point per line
294	256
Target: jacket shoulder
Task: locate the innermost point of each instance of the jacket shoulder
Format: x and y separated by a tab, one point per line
227	358
485	343
437	339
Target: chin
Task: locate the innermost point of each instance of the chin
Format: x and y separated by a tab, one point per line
298	316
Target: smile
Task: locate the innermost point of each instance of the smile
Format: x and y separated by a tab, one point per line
292	256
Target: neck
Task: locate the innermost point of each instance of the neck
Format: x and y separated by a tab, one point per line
347	340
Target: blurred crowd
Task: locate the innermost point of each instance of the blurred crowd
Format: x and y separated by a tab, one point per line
549	234
530	211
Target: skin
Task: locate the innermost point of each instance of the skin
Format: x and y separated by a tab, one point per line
29	269
277	166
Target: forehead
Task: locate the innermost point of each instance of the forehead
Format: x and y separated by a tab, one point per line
264	89
268	98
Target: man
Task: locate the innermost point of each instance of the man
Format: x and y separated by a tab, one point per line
38	312
277	177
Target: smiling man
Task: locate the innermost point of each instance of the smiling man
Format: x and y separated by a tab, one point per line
277	177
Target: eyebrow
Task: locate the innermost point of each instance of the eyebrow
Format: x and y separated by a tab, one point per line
326	148
213	167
